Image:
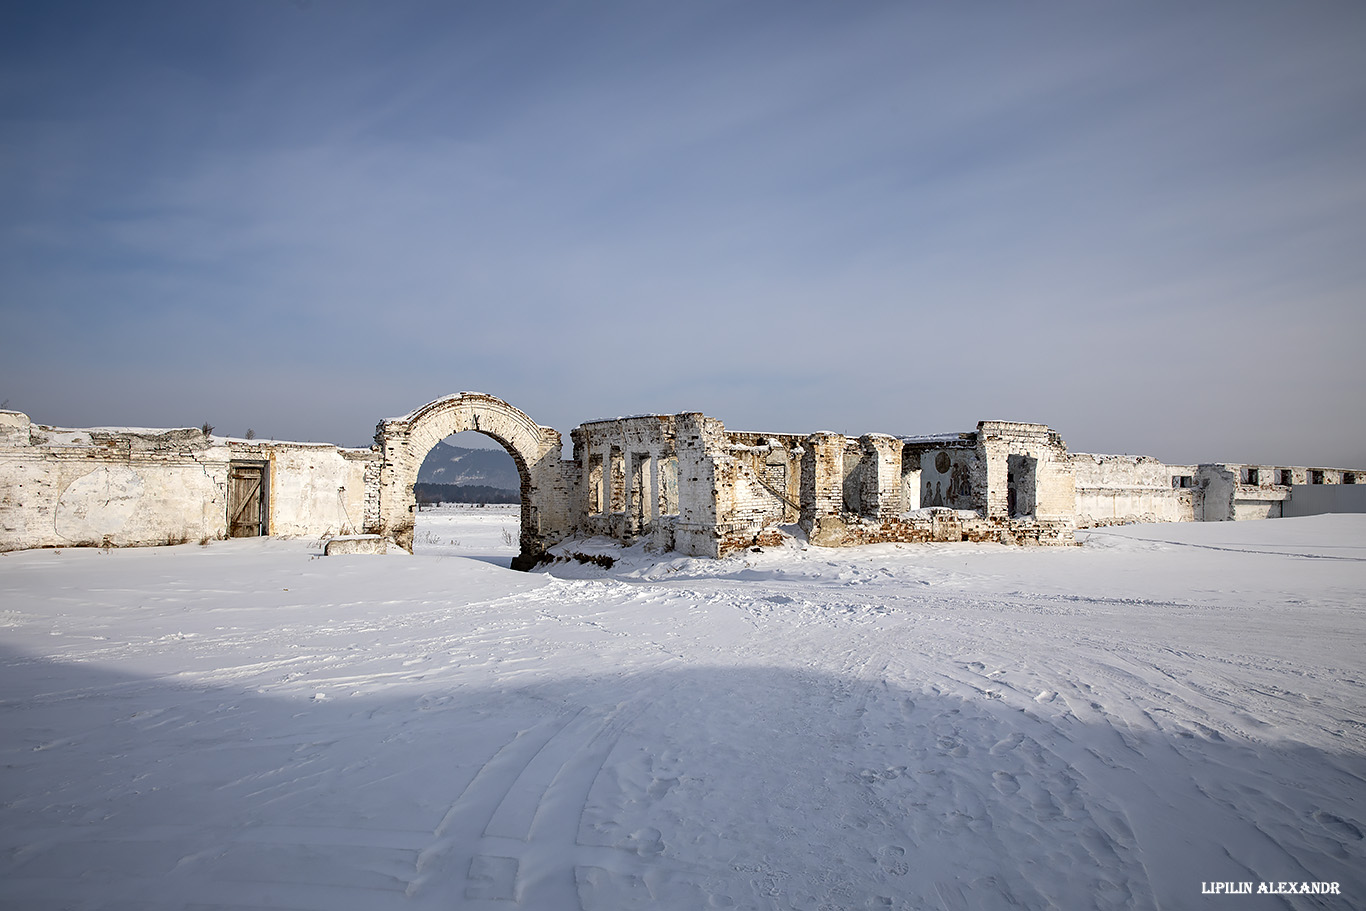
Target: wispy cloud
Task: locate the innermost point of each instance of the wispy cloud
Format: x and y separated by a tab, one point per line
879	216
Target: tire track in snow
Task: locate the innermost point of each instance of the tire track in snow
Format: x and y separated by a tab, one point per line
506	838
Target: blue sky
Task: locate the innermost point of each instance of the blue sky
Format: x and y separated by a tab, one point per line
1140	223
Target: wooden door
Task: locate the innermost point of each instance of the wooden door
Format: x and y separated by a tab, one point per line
246	499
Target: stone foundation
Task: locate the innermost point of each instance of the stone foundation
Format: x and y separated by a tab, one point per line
355	544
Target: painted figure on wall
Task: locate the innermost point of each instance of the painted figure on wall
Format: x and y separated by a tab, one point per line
960	486
949	481
668	486
934	495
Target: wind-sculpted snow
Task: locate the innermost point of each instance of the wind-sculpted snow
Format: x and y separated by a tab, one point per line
249	725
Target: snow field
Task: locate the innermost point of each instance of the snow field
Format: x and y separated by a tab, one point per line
249	725
463	530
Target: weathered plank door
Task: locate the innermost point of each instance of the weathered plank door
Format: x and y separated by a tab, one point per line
246	500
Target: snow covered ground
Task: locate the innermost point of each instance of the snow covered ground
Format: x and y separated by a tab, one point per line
486	533
250	725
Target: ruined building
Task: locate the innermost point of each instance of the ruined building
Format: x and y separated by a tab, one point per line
678	482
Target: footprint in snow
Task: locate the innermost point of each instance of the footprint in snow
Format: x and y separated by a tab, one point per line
1338	826
1205	729
660	786
873	776
953	747
892	860
1008	744
647	842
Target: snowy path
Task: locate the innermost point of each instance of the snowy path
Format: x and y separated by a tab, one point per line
247	725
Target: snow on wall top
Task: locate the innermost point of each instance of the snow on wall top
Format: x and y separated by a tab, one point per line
628	417
445	398
936	438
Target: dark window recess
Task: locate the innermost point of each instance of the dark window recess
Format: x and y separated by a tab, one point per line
1315	476
1181	480
1349	477
1252	476
1287	477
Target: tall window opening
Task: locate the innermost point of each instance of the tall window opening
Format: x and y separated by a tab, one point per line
668	486
595	485
640	487
1021	485
618	470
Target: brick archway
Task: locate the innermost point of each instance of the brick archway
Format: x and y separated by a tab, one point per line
405	442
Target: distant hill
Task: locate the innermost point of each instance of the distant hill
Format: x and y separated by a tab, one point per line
447	464
463	493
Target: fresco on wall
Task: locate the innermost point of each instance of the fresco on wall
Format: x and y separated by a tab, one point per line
668	486
946	479
595	484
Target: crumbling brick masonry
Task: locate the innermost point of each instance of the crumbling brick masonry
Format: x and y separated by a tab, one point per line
679	482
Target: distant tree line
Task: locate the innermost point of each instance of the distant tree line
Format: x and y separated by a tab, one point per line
428	494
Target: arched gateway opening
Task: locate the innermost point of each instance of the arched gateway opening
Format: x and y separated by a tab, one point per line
406	441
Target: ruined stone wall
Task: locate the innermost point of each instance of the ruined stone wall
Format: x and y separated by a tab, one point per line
942	471
1115	490
823	482
880	484
64	487
314	488
680	482
1121	489
700	444
855	465
370	508
937	525
822	490
1241	491
759	485
1056	487
625	479
403	442
1028	472
1218	485
71	488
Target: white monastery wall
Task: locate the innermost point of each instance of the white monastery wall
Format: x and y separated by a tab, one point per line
122	487
314	488
1119	489
699	443
677	482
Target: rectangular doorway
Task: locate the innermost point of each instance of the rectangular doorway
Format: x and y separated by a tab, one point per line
1022	485
247	499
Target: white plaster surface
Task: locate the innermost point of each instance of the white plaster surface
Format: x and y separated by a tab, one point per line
120	487
99	503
